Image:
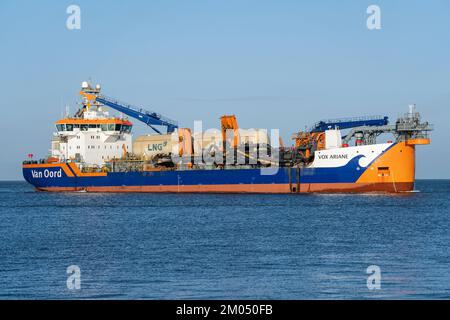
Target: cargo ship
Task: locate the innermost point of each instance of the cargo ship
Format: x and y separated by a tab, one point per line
93	151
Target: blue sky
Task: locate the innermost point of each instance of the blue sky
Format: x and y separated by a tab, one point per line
275	64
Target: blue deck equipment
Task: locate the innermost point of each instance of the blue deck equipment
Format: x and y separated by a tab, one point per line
150	118
347	123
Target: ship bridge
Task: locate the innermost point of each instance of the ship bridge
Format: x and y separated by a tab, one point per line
67	125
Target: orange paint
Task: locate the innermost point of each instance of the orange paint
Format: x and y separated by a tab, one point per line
185	139
230	123
50	165
418	141
356	187
222	188
88	96
94	121
241	188
397	165
86	174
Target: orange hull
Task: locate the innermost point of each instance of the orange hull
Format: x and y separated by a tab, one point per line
232	188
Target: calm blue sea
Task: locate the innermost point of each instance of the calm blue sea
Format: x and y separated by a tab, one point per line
171	246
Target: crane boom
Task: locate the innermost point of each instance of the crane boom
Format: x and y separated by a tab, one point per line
150	118
323	125
92	96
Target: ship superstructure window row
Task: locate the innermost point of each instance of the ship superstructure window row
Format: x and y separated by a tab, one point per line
103	127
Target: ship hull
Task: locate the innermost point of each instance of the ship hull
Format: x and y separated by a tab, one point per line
231	188
390	170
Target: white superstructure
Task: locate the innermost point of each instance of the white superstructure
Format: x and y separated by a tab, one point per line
92	138
335	155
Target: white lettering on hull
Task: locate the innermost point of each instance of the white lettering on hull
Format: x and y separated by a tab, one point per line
46	174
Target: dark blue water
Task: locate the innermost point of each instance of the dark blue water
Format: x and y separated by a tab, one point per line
169	246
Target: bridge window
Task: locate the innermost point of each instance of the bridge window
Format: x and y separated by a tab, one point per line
118	127
111	127
60	127
104	127
126	128
69	127
84	127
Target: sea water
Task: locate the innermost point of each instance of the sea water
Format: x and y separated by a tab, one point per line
224	246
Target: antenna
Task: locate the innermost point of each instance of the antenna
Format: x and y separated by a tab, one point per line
61	106
412	109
